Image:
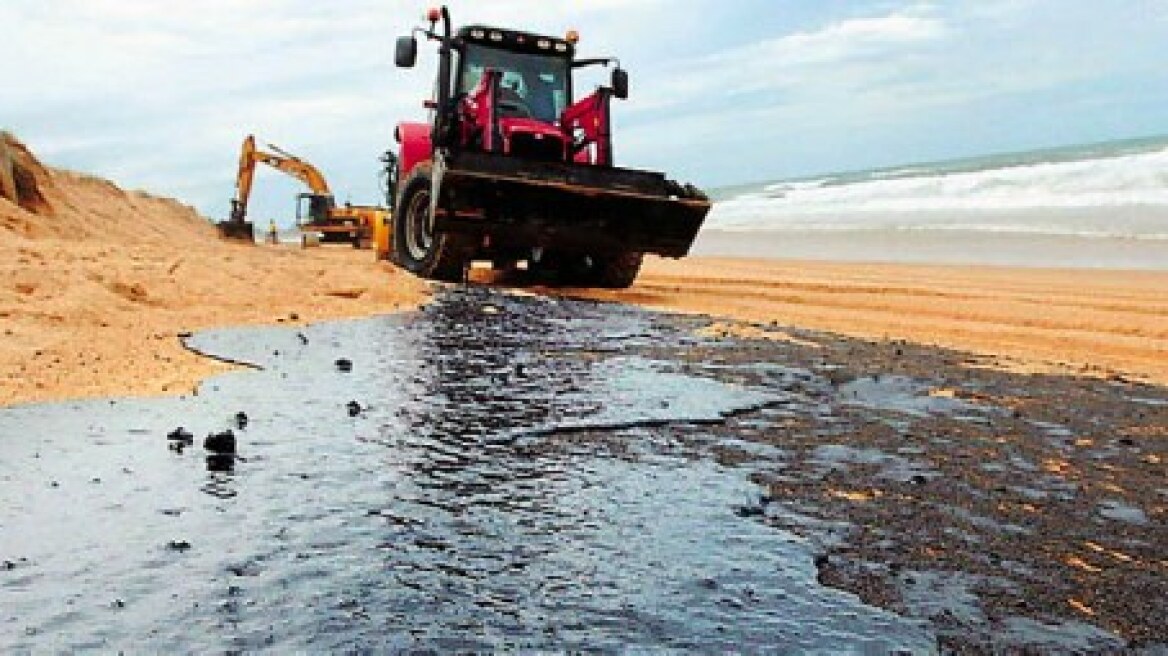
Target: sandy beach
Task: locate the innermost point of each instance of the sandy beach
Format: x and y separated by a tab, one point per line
798	328
100	288
97	319
684	485
1062	320
98	283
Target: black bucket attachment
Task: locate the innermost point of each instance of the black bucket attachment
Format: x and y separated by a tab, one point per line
573	207
239	230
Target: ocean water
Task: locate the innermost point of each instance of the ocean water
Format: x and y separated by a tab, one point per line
1102	204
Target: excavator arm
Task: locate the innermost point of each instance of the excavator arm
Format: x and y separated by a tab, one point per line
353	224
280	160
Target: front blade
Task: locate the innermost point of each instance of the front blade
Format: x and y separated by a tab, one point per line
566	206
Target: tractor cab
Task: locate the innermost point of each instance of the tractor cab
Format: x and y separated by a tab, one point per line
510	92
535	79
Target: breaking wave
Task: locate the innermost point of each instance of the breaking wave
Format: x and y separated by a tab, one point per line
1117	190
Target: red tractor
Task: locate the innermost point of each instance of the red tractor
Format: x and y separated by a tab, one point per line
511	170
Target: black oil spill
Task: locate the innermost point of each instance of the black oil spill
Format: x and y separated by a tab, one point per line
496	471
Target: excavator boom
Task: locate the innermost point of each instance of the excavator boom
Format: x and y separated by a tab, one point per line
282	161
244	178
338	224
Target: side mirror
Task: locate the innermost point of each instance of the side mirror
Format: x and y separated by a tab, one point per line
406	52
620	83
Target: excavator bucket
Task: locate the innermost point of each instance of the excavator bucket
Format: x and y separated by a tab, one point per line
236	227
587	209
240	230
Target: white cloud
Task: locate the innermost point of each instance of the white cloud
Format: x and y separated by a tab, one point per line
793	61
159	94
971	75
154	93
859	36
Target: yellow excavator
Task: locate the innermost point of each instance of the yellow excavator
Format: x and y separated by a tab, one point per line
316	211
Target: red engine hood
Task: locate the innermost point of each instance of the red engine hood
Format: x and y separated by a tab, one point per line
529	126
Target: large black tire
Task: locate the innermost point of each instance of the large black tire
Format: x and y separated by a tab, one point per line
417	249
553	268
575	270
616	272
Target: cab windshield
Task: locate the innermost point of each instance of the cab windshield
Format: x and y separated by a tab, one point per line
532	86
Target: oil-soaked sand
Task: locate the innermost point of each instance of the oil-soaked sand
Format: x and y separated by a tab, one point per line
450	512
525	472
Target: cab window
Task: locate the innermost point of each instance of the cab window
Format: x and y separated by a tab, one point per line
534	86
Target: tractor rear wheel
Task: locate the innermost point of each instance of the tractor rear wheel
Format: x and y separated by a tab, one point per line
418	249
575	270
616	271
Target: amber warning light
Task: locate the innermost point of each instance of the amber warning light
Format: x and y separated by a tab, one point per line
572	37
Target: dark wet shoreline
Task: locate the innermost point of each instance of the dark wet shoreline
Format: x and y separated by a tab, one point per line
997	505
506	452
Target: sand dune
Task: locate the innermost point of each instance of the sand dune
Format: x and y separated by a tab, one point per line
96	283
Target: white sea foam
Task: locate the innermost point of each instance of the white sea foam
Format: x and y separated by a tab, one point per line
1124	196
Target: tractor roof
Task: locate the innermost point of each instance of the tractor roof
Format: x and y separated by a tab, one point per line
514	40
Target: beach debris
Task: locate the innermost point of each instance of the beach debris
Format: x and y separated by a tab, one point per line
351	293
838	377
1122	512
344	365
221	443
221	462
1075	561
244	569
354	408
241	420
1117	555
178	545
179	439
303	338
749	511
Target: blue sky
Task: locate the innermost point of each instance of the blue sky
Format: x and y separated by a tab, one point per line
158	95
